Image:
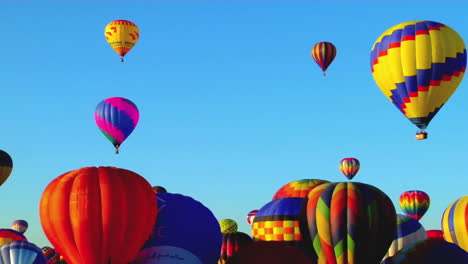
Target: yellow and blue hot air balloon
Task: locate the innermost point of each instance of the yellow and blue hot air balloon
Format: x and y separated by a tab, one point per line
418	65
454	223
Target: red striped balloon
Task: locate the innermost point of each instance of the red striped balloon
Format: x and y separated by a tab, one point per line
349	167
251	215
323	54
414	203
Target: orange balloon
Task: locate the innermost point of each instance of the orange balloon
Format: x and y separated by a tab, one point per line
98	215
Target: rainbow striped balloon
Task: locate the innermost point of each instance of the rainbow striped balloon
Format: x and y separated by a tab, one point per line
116	117
414	203
349	167
297	189
455	223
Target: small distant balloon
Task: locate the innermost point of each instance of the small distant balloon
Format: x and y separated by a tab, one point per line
6	166
122	35
228	226
159	189
323	54
116	117
251	215
20	226
349	167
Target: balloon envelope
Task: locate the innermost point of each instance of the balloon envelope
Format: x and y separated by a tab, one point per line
297	189
232	243
20	226
251	215
409	230
455	223
323	54
414	203
10	235
121	35
116	117
349	167
418	65
6	166
21	252
91	214
186	232
228	226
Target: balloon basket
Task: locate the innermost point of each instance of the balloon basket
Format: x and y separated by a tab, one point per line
421	135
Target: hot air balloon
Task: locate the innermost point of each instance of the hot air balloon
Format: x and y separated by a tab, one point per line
21	252
429	251
455	222
414	203
20	226
121	35
297	189
418	65
435	233
349	167
9	235
91	214
185	232
323	54
228	226
232	243
159	189
251	215
409	231
51	255
350	222
116	117
6	166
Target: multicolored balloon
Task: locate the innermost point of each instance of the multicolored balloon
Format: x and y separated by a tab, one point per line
9	235
297	189
51	255
350	222
349	167
121	35
159	189
228	226
20	226
409	231
98	215
6	166
21	252
418	65
415	203
279	220
323	54
455	222
116	117
429	251
232	243
251	215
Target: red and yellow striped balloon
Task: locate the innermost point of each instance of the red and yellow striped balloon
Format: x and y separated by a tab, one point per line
349	167
323	54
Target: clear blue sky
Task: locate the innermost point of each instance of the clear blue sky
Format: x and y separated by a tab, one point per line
231	104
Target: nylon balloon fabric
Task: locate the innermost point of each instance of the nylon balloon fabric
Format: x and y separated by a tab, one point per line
297	189
269	252
418	65
232	243
455	223
6	166
116	117
349	167
121	35
21	252
323	54
415	203
350	222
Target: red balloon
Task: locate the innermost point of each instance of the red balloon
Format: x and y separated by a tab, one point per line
434	233
98	215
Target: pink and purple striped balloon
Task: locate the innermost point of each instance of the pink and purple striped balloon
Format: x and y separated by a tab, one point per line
116	117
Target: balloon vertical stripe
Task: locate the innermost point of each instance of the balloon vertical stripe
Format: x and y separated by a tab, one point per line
455	222
323	54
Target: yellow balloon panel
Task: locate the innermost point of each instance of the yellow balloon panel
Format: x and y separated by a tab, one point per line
418	65
121	35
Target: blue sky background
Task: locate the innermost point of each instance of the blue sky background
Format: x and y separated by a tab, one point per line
232	106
